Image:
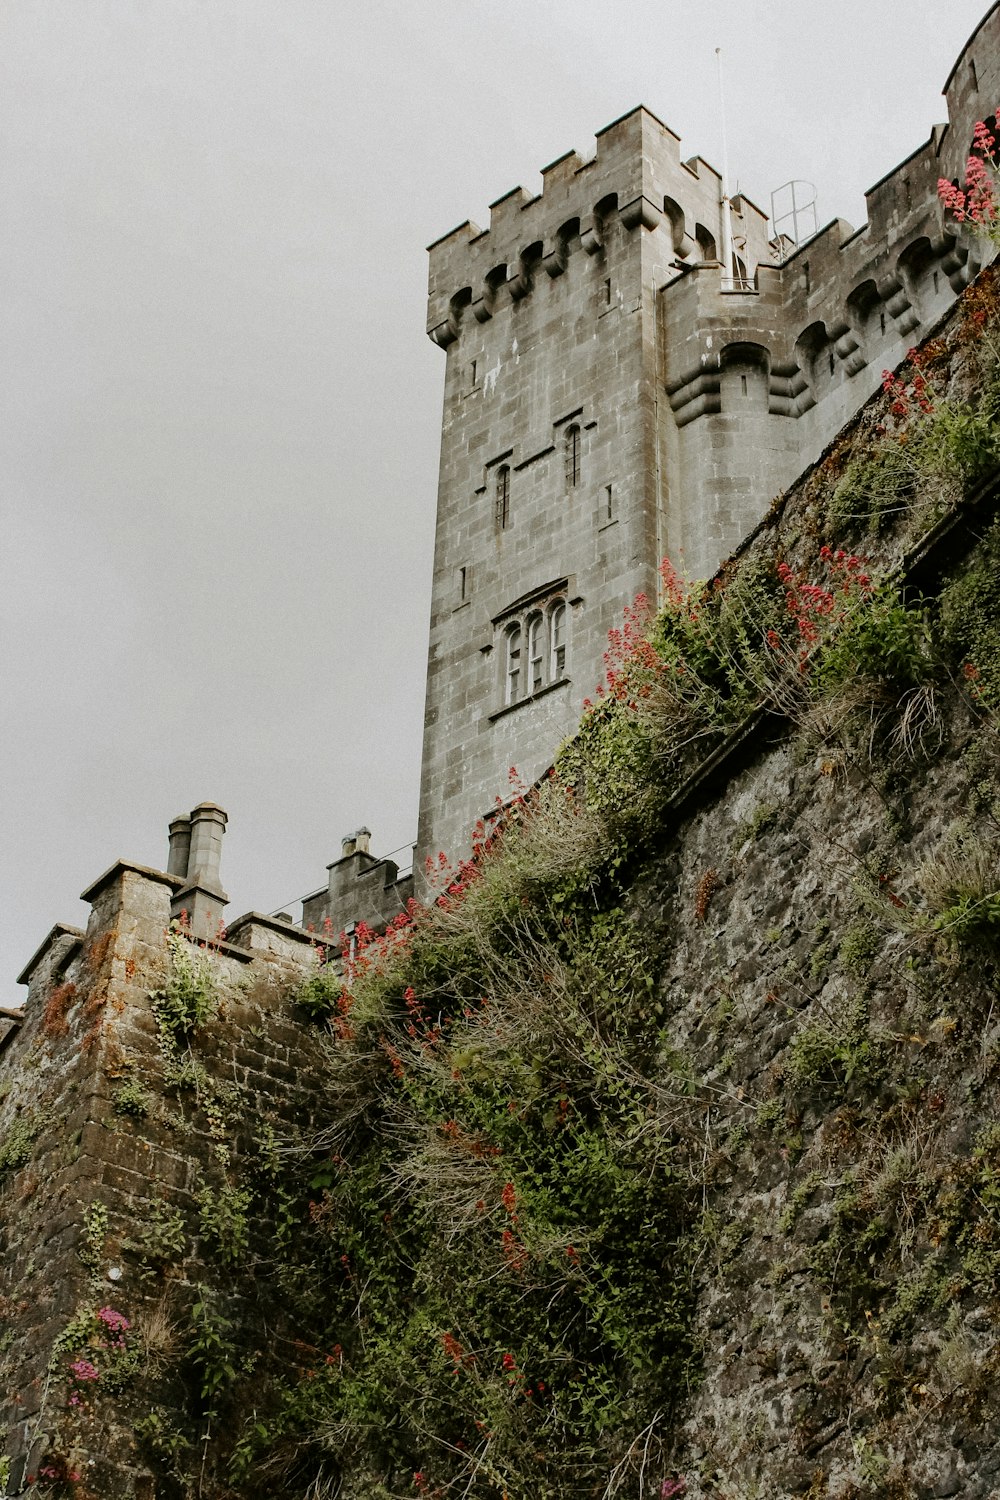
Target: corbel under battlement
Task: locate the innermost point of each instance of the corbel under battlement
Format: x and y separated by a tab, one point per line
635	179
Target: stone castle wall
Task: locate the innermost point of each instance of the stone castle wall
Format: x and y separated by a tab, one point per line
767	958
776	370
600	305
108	1147
548	318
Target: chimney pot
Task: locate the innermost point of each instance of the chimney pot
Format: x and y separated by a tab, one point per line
208	824
180	845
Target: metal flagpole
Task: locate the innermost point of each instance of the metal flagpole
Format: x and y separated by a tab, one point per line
727	219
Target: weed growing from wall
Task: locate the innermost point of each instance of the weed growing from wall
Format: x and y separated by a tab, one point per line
928	451
15	1148
188	998
970	622
222	1217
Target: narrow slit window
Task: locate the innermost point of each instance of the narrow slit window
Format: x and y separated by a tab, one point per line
536	653
557	642
512	666
609	503
463	585
973	75
937	281
572	453
881	319
503	497
743	384
607	293
472	375
833	364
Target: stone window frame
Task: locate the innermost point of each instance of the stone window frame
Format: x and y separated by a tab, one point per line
512	638
533	637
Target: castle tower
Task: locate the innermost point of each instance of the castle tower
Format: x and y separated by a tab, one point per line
551	505
614	395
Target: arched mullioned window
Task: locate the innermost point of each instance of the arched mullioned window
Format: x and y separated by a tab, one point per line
572	456
536	652
512	665
533	649
557	641
502	497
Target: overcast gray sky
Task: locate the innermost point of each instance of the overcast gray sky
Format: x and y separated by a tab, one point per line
219	431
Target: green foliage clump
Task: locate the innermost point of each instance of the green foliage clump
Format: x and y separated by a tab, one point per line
162	1238
132	1099
838	1053
878	637
763	817
168	1445
858	948
15	1148
503	1220
929	452
95	1233
970	621
210	1350
222	1216
188	998
319	993
961	885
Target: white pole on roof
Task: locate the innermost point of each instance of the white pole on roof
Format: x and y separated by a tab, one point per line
727	219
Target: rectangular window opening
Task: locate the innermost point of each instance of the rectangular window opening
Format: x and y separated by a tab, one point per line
502	498
607	292
572	457
609	503
743	384
463	584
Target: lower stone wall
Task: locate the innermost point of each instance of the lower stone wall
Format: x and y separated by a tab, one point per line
145	1176
838	1023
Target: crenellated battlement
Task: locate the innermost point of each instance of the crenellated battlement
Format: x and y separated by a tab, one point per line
635	179
847	296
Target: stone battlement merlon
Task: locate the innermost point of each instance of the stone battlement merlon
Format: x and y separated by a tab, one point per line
636	177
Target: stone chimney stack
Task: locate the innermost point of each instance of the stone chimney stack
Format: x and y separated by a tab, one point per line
362	840
208	824
195	856
180	844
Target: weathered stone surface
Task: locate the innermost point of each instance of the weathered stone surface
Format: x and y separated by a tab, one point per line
88	1034
695	402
